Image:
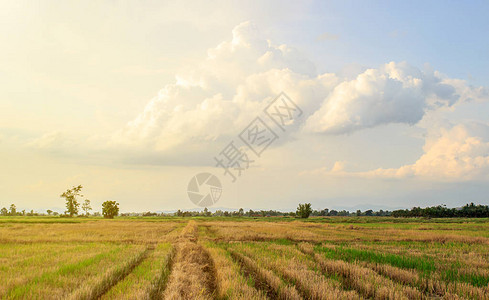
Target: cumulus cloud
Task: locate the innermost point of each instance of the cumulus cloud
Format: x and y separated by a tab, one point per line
225	92
393	93
233	84
452	153
457	153
216	99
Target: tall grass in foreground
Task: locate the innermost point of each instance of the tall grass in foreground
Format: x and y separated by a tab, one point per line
408	271
230	283
297	269
97	285
265	279
22	263
365	280
62	282
147	278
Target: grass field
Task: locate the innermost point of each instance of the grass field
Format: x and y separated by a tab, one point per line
244	258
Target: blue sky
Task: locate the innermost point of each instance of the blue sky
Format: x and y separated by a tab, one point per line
132	99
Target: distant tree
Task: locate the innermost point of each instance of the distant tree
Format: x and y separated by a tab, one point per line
23	212
207	213
359	213
4	211
86	207
369	212
304	210
49	212
72	203
13	210
324	212
110	209
241	212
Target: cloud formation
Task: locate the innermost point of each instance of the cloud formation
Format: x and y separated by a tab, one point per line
393	93
233	84
457	153
225	92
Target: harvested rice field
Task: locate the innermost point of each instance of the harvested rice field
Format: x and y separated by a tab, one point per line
244	258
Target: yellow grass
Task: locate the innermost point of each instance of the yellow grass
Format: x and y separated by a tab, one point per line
206	258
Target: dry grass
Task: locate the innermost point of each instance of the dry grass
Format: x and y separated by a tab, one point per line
240	259
366	281
67	278
98	285
296	268
93	231
231	284
193	273
265	279
146	279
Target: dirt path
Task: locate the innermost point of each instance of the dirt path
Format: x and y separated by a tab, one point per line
193	272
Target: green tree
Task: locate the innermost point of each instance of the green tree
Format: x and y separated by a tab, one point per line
72	203
110	209
13	210
4	211
49	211
304	210
241	212
207	213
86	207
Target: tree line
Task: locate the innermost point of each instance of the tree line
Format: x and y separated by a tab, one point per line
72	196
305	211
441	211
110	209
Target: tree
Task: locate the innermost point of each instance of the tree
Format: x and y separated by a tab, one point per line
4	211
207	213
110	209
49	211
241	212
13	209
72	203
86	207
304	210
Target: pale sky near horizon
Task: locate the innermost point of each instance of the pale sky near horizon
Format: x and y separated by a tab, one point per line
133	98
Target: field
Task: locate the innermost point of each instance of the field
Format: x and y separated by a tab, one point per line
244	258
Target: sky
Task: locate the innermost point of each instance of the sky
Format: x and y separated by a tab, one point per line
131	99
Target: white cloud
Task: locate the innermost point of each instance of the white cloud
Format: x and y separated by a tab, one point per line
394	93
225	92
458	153
210	103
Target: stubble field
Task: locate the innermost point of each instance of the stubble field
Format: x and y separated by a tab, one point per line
244	258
